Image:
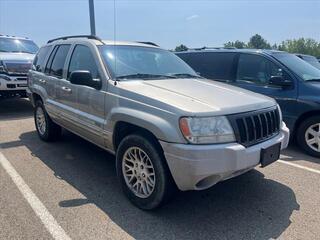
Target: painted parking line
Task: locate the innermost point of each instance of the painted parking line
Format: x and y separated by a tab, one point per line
299	166
46	218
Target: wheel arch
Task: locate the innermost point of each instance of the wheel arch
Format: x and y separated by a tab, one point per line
302	118
123	129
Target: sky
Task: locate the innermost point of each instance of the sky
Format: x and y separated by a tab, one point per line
167	23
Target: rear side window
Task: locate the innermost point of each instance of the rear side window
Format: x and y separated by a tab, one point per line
38	63
82	59
217	66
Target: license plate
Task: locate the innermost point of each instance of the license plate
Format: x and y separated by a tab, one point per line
270	154
22	85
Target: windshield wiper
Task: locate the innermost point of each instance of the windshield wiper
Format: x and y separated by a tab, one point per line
144	76
313	80
186	75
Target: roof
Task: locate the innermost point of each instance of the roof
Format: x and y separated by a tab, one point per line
244	50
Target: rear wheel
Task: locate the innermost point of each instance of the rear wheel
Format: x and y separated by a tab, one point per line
46	128
308	136
143	172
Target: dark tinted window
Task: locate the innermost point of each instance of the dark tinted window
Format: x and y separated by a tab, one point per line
82	59
38	63
59	60
257	69
49	62
217	66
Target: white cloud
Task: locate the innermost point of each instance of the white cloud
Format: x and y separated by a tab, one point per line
192	17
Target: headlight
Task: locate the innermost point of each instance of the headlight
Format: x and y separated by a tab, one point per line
2	68
4	77
205	130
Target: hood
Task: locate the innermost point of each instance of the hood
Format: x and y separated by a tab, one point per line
23	57
198	96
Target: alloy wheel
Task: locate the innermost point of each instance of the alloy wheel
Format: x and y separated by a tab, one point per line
138	172
41	121
312	137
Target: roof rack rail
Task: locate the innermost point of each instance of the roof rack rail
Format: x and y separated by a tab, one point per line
149	43
76	36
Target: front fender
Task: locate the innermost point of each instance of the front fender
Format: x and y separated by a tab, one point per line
160	127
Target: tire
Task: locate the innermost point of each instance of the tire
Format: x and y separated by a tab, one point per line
303	133
154	167
47	131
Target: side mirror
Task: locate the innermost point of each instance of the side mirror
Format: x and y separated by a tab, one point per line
280	81
83	77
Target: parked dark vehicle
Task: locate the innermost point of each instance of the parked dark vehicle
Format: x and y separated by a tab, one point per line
310	59
294	83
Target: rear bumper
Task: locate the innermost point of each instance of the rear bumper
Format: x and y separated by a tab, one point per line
197	167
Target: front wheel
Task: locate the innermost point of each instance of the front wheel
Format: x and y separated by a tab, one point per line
308	136
143	172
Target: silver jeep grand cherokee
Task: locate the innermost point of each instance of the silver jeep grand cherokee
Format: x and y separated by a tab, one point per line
167	126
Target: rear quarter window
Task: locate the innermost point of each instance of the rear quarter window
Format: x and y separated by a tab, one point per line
39	60
217	66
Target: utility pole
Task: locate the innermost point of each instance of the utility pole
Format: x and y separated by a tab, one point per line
92	21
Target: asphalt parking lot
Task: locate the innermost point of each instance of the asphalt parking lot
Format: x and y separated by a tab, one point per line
70	188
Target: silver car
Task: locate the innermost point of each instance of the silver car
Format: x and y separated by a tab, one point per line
168	127
16	55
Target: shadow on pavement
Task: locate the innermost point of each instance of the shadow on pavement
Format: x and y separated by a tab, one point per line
247	207
294	153
15	108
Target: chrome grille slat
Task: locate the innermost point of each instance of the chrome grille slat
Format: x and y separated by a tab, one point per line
254	127
17	67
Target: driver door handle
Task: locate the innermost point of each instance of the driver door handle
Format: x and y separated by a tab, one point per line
66	89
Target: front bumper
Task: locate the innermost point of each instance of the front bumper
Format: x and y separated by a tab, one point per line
12	83
197	167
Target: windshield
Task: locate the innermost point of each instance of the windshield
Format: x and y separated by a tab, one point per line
312	60
303	69
135	62
17	45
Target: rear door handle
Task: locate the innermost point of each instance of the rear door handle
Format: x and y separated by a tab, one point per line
42	81
66	89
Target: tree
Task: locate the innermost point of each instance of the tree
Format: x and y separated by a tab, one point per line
258	42
304	46
181	48
236	44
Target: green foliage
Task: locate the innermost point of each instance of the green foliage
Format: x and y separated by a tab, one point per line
258	42
181	48
236	44
302	45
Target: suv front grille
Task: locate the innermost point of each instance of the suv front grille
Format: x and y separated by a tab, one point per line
254	127
18	68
